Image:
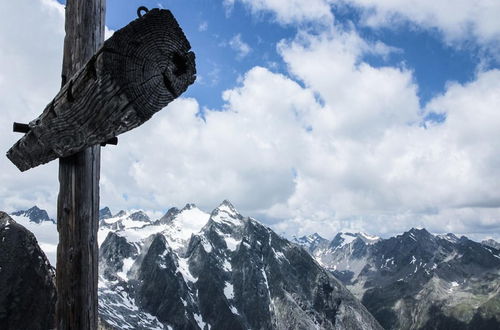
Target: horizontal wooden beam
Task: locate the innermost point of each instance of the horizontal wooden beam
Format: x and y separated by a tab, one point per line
137	72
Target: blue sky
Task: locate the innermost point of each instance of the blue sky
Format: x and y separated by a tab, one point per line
318	115
210	25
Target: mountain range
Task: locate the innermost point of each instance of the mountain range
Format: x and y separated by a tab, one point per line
416	280
194	270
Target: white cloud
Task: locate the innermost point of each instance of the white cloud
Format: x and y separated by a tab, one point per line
290	11
375	167
203	26
30	71
238	45
245	153
458	20
345	151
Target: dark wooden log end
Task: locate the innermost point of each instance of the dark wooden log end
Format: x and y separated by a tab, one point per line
136	73
112	141
20	128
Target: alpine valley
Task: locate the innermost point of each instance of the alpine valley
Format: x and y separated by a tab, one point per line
194	270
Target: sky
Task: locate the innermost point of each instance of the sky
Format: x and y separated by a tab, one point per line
310	116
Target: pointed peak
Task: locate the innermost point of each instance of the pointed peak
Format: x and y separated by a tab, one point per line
224	212
189	206
227	203
419	231
139	216
35	214
105	213
170	215
227	207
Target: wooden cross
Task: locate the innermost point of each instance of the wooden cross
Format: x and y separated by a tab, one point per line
108	88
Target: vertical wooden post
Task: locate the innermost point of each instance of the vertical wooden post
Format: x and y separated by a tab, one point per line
78	200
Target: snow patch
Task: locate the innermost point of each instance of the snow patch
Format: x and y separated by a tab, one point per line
199	320
234	310
346	239
231	242
183	268
127	264
229	291
413	260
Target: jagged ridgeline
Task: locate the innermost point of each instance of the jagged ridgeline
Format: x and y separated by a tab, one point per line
187	270
27	288
192	270
417	280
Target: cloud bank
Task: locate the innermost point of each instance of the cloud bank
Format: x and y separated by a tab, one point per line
335	144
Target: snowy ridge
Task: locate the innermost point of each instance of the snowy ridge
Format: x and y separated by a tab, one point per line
221	270
411	273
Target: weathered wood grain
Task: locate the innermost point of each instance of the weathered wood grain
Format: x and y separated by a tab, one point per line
78	200
136	73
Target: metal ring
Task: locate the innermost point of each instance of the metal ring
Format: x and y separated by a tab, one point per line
140	10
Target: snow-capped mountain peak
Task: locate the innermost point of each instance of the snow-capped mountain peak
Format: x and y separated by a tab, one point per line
34	214
227	214
219	271
105	213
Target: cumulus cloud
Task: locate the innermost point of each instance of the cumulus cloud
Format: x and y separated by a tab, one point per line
290	11
335	145
32	34
458	20
384	170
238	45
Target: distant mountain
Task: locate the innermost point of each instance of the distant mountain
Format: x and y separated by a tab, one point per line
311	242
418	280
193	270
27	288
38	222
491	243
105	213
35	215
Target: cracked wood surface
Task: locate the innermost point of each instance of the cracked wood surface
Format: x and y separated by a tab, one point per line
137	72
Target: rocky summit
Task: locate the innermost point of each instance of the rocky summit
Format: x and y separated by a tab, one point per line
417	280
193	270
34	214
27	288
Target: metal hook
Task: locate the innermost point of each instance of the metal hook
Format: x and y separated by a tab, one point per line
140	10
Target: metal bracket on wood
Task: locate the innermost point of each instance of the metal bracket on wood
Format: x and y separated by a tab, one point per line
141	11
21	128
113	141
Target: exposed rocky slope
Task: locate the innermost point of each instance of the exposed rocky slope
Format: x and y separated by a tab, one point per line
191	270
34	214
44	228
27	288
418	280
491	243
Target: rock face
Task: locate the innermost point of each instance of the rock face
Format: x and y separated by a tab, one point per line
192	270
27	288
491	243
105	213
35	215
418	280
